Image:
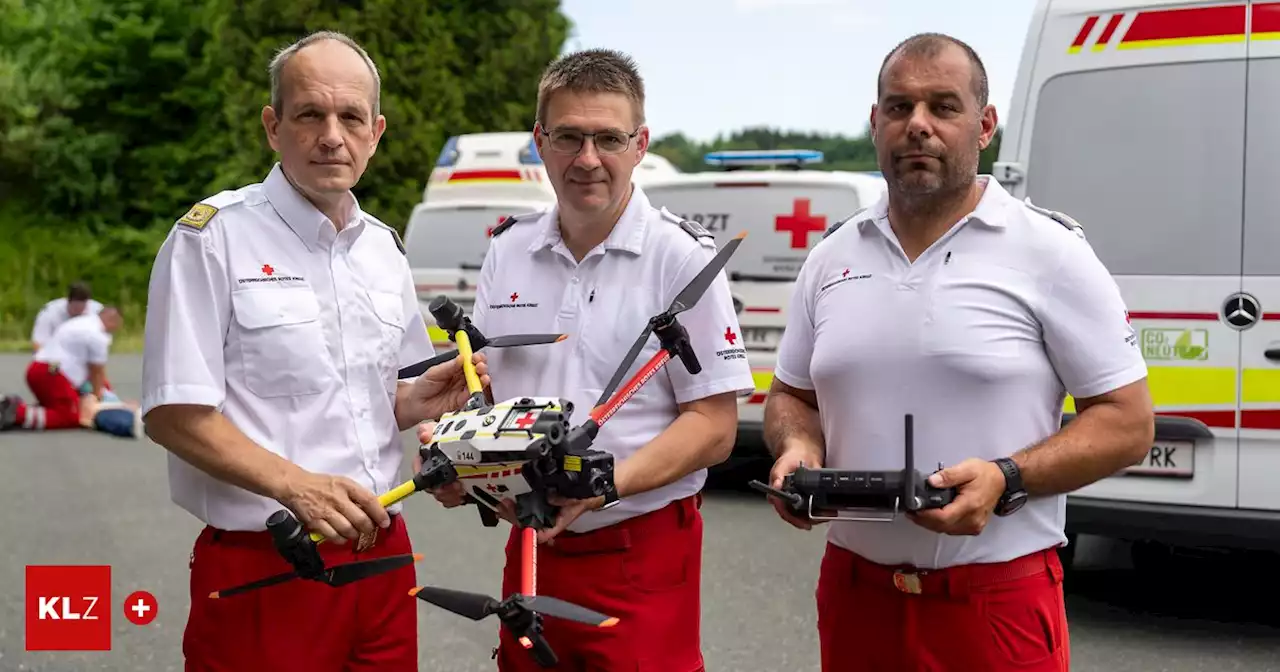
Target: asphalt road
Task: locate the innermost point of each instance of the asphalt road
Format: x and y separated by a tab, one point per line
59	490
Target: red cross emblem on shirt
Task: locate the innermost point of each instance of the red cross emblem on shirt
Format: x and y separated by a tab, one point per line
266	268
729	335
525	421
845	274
514	296
800	224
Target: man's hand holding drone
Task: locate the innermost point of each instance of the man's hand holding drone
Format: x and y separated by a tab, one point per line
440	389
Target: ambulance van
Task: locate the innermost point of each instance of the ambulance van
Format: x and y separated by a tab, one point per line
1152	123
478	181
785	207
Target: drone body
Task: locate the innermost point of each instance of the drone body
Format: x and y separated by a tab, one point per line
489	447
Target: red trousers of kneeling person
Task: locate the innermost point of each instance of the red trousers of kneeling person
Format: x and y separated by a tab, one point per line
645	571
991	617
57	401
370	625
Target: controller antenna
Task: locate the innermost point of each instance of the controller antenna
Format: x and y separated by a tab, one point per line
909	476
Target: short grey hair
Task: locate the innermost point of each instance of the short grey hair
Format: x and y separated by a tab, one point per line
282	58
592	71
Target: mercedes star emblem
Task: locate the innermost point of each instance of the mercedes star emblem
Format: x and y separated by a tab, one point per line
1241	311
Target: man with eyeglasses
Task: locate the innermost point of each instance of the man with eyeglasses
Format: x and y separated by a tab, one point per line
597	265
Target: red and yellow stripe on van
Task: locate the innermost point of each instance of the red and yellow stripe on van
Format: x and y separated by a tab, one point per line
473	176
1178	27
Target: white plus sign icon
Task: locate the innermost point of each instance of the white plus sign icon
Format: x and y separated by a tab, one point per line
140	607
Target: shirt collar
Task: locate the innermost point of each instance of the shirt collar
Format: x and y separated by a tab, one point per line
627	234
991	210
304	218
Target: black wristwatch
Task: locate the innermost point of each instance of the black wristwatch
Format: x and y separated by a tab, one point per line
1014	495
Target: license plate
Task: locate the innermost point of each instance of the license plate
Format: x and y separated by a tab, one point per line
758	336
1175	459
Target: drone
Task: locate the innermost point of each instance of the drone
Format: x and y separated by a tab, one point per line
522	450
830	494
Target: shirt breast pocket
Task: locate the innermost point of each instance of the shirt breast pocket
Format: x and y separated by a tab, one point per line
282	343
981	312
389	309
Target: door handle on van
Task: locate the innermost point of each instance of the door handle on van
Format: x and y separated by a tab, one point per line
1272	354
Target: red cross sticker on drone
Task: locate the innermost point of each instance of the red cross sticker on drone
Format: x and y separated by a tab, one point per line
800	224
729	335
526	421
266	268
491	487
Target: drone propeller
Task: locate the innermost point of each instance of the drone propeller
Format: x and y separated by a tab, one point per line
686	299
511	341
337	575
477	607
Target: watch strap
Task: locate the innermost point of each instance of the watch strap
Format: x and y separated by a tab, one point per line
1012	476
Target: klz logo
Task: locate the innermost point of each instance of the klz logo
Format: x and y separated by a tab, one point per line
68	608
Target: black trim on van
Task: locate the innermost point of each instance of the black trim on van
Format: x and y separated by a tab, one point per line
735	276
1174	524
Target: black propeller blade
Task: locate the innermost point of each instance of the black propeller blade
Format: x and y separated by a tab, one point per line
476	606
338	575
686	299
467	605
511	341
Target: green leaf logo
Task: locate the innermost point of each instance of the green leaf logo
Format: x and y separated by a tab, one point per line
1184	349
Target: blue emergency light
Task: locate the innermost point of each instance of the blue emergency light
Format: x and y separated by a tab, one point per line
763	157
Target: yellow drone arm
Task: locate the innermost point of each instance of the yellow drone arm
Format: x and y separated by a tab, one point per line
390	497
468	368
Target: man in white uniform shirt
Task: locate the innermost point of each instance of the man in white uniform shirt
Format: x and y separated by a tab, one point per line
70	364
277	318
597	266
975	312
78	301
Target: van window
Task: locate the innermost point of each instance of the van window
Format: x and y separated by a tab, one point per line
1149	160
1262	189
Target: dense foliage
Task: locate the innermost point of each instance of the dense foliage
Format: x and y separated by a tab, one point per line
117	115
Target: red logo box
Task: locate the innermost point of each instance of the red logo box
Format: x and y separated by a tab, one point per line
68	608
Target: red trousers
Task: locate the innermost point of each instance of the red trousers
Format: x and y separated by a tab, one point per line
57	401
995	618
370	625
645	571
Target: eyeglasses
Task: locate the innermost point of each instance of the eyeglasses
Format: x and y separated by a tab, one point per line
570	141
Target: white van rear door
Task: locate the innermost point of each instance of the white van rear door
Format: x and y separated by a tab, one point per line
1260	343
446	244
1110	132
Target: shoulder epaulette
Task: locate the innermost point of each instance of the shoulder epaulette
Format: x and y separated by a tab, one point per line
512	220
1059	217
836	227
395	235
203	212
694	229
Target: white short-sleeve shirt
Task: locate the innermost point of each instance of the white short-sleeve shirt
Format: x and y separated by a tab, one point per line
293	329
74	345
531	284
980	339
53	314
